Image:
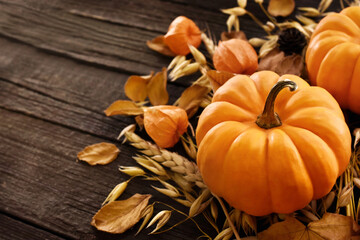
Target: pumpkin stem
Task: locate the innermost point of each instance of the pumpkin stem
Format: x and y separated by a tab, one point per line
269	118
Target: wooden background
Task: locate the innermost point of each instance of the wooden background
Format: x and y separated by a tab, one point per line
62	62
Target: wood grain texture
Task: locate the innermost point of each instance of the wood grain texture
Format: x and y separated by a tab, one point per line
16	229
62	62
42	183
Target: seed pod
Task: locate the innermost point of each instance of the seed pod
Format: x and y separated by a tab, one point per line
235	56
116	192
181	33
165	124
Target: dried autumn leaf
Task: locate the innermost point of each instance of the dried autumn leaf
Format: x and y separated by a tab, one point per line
330	226
157	44
191	98
218	78
123	107
281	7
119	216
140	121
334	226
99	153
135	87
233	34
276	61
156	89
286	230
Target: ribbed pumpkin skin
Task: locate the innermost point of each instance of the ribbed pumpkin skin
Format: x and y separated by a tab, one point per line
333	57
278	170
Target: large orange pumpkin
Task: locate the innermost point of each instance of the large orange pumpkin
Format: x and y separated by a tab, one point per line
277	159
333	57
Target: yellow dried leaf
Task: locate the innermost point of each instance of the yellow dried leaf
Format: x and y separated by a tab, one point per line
268	46
135	87
116	192
218	78
236	11
233	34
100	153
242	3
330	226
230	22
156	89
257	42
323	5
162	218
191	98
309	11
123	107
157	44
281	7
119	216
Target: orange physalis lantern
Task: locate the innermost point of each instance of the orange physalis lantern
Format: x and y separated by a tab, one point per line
182	32
165	124
235	56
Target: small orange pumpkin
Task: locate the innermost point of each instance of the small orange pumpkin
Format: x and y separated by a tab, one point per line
235	56
277	159
182	32
165	124
333	57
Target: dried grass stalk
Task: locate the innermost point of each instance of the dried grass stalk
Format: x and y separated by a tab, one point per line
176	162
209	44
162	218
197	204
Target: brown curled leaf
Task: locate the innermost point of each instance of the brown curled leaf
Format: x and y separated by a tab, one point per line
330	226
218	78
233	34
191	98
135	87
100	153
156	89
334	226
140	121
157	44
276	61
123	107
119	216
281	7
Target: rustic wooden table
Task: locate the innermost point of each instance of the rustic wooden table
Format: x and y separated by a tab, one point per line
61	64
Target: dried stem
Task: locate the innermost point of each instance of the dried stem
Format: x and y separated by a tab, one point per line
171	160
267	14
187	217
231	224
268	118
257	21
338	195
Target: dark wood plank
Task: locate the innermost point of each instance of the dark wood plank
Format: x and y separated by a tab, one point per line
62	91
42	183
11	228
82	30
61	64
